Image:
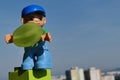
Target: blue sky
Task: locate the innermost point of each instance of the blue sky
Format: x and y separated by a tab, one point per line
85	33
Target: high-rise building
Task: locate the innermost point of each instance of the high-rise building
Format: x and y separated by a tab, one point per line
81	74
75	74
93	74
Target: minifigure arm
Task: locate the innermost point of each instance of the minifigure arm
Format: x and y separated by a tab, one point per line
9	38
46	37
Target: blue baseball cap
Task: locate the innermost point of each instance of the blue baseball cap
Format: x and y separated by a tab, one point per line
31	9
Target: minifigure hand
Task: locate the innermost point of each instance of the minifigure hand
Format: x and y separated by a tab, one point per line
46	37
9	38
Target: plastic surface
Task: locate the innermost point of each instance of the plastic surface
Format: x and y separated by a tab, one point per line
37	74
37	57
32	8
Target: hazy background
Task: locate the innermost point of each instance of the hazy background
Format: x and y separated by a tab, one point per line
85	33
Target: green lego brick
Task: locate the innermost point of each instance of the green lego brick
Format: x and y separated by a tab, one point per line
36	74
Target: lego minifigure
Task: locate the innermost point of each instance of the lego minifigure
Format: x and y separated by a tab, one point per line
37	56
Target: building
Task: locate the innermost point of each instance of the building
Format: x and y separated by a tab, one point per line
108	77
116	74
75	74
93	74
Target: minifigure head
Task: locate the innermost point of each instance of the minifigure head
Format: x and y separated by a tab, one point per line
34	13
